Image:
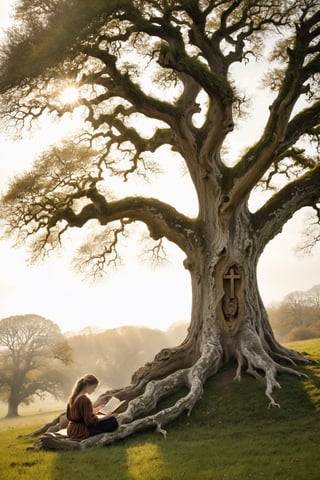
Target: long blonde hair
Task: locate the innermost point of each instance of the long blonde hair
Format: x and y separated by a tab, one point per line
80	384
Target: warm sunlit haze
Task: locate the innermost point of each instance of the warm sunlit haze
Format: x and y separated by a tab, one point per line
69	94
136	293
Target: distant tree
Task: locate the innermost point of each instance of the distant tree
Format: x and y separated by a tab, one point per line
314	296
297	317
297	306
30	347
158	79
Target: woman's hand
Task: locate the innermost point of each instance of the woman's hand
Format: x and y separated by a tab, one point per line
97	409
104	417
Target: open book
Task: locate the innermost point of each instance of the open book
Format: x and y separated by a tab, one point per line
112	405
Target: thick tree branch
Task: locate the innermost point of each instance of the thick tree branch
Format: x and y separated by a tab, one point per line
161	219
269	220
185	49
302	123
213	83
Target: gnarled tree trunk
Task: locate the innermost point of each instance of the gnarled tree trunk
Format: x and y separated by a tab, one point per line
192	46
228	321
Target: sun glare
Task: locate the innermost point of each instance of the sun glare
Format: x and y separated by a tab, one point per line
69	95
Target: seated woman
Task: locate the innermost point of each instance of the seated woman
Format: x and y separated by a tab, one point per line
83	419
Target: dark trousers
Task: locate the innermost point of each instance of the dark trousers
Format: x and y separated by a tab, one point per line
109	425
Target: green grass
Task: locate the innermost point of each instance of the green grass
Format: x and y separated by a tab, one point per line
231	435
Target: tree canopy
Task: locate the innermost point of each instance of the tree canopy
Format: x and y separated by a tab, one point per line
160	79
170	62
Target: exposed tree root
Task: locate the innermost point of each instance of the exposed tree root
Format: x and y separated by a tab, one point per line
167	361
143	410
251	351
288	355
54	441
193	378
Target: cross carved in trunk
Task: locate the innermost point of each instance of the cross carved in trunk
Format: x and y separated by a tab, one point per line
232	276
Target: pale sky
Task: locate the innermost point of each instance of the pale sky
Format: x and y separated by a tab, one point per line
135	294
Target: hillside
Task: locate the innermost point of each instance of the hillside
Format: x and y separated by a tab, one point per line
230	434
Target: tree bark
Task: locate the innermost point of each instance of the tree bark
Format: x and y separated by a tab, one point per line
228	321
13	404
223	244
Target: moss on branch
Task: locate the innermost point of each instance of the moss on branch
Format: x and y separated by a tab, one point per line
213	83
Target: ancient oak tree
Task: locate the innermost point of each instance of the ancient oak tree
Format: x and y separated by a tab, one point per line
158	78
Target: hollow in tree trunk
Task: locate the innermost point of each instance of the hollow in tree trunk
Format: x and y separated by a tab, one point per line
189	47
228	321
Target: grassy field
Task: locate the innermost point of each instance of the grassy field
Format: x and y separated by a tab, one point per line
231	435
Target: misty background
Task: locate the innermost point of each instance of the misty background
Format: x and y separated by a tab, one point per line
113	355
